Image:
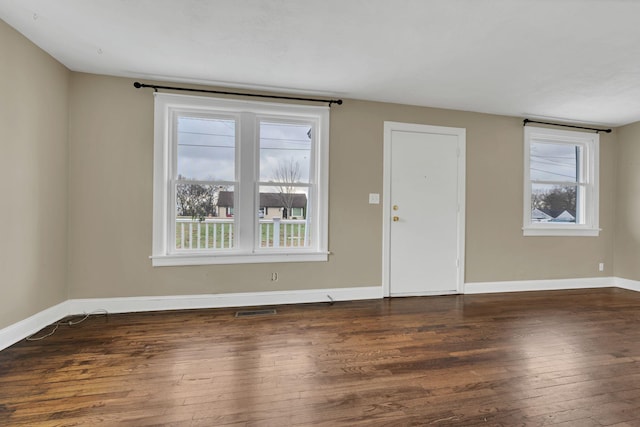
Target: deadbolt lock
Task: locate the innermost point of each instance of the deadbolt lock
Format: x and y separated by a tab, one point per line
395	207
396	219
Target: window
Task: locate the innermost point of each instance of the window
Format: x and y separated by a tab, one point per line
239	181
560	182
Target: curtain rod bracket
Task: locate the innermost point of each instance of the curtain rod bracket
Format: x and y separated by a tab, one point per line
139	85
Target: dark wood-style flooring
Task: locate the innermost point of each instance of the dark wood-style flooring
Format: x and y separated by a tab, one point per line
563	358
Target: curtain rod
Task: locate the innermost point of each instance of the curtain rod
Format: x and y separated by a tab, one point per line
525	121
139	85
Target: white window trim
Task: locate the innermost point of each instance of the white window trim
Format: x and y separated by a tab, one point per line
591	144
165	106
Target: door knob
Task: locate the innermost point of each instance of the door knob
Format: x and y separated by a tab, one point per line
395	207
396	219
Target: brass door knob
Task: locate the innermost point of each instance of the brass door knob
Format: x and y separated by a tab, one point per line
396	219
395	207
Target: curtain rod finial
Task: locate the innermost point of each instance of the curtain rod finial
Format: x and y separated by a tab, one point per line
137	85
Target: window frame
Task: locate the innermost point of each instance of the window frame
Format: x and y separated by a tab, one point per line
247	182
588	211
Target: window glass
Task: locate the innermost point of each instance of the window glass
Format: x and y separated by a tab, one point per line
285	152
554	203
283	228
555	162
204	217
206	149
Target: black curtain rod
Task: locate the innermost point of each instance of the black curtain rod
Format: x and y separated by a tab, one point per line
138	85
525	121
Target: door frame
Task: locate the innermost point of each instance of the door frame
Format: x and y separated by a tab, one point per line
460	133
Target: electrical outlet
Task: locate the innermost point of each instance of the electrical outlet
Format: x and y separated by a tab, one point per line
601	266
274	277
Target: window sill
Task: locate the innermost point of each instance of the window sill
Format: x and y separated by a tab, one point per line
208	259
561	231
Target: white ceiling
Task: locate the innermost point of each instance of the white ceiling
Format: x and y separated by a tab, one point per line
568	60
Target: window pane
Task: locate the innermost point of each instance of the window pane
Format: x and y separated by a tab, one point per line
206	149
283	217
555	162
204	217
285	152
554	203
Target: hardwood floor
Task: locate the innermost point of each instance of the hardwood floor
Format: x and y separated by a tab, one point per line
563	358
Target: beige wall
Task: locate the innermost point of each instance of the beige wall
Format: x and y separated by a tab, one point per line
627	247
495	247
33	178
110	169
88	173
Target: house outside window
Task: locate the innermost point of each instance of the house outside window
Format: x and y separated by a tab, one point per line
229	174
560	182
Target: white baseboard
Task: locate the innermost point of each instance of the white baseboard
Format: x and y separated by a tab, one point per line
22	329
538	285
632	285
185	302
29	326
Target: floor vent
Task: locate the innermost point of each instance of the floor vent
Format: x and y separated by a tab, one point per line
253	313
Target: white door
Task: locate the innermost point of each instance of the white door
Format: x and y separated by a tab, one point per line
424	209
